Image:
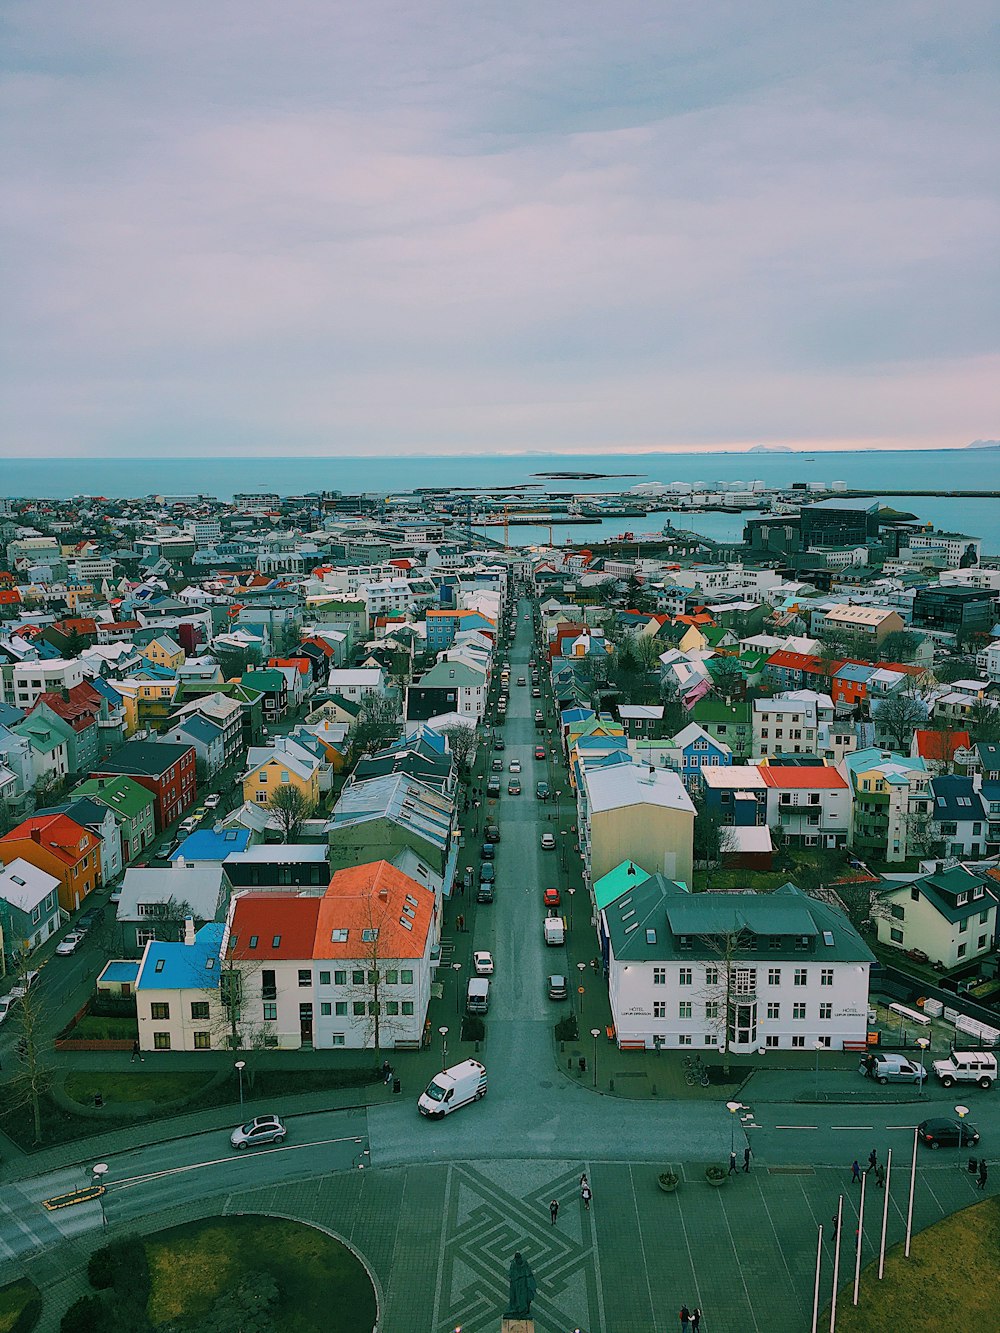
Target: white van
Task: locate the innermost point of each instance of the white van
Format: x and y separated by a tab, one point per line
453	1088
554	930
477	996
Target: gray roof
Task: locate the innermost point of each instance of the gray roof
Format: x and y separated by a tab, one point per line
200	888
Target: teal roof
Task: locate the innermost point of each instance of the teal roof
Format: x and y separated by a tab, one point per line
616	882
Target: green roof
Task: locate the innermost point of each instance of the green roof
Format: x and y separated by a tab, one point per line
616	882
716	710
117	794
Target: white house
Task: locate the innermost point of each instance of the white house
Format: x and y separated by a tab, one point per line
355	684
733	971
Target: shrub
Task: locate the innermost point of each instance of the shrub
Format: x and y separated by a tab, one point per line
473	1028
124	1267
715	1173
101	1268
567	1029
86	1315
668	1180
28	1315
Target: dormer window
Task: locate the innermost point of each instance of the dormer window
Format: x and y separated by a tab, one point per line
961	899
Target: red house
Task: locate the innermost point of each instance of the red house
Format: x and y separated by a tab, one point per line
166	770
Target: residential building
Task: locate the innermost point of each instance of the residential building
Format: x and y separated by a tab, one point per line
273	686
950	915
632	812
959	816
62	848
168	771
891	803
178	992
738	972
279	866
286	762
785	725
29	908
30	679
400	819
448	687
871	622
155	903
132	805
207	738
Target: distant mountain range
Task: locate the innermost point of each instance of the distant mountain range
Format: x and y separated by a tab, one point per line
770	449
983	444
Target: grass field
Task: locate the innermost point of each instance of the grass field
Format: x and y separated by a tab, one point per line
323	1287
14	1299
951	1280
127	1086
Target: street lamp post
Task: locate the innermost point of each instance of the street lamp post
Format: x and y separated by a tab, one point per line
819	1046
240	1066
595	1033
99	1172
571	893
444	1045
456	968
732	1108
923	1043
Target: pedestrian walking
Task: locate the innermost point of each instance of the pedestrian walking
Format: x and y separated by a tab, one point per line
696	1319
983	1174
684	1314
872	1160
880	1176
836	1226
553	1210
732	1163
585	1195
137	1051
746	1159
855	1171
584	1180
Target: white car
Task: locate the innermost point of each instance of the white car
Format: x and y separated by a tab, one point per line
262	1129
70	943
483	961
211	802
548	842
515	765
16	993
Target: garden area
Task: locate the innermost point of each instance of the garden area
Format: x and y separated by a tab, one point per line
949	1280
245	1274
20	1306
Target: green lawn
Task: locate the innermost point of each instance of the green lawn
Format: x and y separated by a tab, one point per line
131	1085
323	1287
951	1280
15	1299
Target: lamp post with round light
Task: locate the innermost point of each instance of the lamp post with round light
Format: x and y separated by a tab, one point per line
732	1108
923	1043
595	1033
444	1046
99	1172
818	1046
572	893
240	1066
456	968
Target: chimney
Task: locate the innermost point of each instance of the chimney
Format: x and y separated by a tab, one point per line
36	835
189	930
383	895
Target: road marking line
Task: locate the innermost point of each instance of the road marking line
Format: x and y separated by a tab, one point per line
911	1128
642	1249
796	1126
218	1161
736	1252
857	1127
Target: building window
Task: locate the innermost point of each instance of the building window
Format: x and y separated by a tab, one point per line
358	977
684	1009
684	1039
798	1042
406	976
268	984
771	1040
960	951
896	936
159	1010
326	1009
270	1011
392	1008
659	976
324	978
340	1008
391	977
340	978
712	1009
798	1011
199	1009
826	976
407	1008
358	1008
304	976
801	976
774	1010
203	1041
826	1011
711	976
659	1009
685	976
161	1041
774	976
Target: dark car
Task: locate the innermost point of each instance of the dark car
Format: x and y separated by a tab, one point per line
484	894
947	1133
487	872
497	765
492	832
499	743
542	792
89	919
489	852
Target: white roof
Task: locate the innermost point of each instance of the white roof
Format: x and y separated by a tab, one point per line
745	777
24	885
198	887
748	838
623	785
362	676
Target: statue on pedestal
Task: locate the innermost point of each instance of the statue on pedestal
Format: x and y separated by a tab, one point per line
522	1288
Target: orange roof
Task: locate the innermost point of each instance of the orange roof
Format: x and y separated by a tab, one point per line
325	648
374	896
58	834
941	745
793	778
271	925
301	664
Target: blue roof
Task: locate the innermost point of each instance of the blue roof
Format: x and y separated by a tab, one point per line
207	845
102	687
856	672
121	971
169	965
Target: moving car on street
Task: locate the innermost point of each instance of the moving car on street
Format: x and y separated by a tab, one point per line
70	943
548	842
262	1129
947	1133
550	898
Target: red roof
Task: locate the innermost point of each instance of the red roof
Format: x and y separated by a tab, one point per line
798	661
58	834
941	745
374	896
271	925
301	664
794	778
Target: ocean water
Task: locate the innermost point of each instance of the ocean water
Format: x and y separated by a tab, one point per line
879	472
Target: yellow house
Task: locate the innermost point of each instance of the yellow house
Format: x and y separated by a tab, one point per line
147	703
79	594
285	763
163	652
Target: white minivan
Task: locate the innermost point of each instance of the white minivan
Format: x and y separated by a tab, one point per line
453	1088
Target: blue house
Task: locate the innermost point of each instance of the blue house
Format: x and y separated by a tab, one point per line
29	907
694	750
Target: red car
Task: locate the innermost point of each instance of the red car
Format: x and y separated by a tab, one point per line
551	897
539	751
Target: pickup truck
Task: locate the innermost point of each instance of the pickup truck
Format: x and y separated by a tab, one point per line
967	1067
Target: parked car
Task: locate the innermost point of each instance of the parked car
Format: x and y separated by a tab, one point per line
557	987
550	898
535	692
889	1068
967	1067
492	832
548	842
499	744
261	1129
70	943
483	961
515	765
17	993
513	787
539	751
187	825
542	792
948	1133
497	766
488	852
487	872
212	802
521	680
89	919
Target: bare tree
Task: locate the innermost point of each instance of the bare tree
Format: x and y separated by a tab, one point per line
898	716
923	836
290	808
32	1078
730	985
462	742
376	722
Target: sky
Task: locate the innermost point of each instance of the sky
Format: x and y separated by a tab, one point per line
322	227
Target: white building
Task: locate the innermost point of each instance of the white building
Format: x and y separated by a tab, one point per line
355	684
30	679
733	971
784	726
